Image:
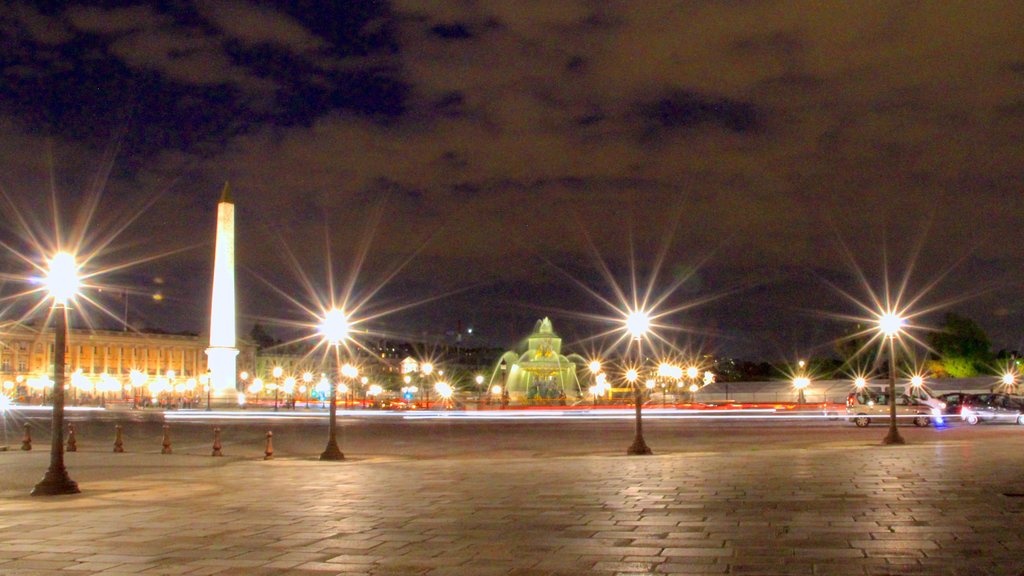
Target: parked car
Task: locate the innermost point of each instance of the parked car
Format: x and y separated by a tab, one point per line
953	400
870	404
995	407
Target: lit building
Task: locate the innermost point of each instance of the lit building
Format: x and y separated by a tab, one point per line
27	352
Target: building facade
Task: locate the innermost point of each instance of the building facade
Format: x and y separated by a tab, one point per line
26	352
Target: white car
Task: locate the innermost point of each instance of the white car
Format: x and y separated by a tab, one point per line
923	395
869	405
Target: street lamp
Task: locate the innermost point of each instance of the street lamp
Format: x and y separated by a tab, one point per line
289	390
446	392
333	328
890	324
427	369
277	373
308	379
801	383
62	283
1009	381
637	325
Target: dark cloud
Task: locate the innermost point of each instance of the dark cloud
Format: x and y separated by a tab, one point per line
187	79
514	133
685	109
453	31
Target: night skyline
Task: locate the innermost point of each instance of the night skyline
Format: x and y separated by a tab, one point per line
489	143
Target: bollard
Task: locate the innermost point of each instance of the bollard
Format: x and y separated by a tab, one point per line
26	442
118	441
216	442
72	440
167	440
268	454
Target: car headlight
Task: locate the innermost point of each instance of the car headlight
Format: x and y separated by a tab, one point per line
936	412
942	405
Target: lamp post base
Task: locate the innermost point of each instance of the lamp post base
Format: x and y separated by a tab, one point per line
332	452
56	482
893	438
638	447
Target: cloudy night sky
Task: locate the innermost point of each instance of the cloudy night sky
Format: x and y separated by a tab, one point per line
496	152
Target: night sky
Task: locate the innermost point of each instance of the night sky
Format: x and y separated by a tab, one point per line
498	147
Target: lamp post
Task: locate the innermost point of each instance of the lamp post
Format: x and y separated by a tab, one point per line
637	325
289	390
890	324
334	329
426	369
62	283
801	383
446	392
595	368
204	379
277	373
308	379
1009	382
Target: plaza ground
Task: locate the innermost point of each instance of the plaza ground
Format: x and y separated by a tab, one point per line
445	497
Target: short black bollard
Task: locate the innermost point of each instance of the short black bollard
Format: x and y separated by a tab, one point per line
216	442
118	440
26	442
72	440
268	454
167	440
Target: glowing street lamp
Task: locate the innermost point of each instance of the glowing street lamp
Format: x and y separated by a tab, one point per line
890	324
800	383
62	283
860	383
446	392
334	329
277	372
637	324
1009	381
426	369
307	379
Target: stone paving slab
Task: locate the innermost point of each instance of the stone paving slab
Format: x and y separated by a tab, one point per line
918	509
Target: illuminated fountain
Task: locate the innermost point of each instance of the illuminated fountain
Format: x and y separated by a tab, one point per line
541	373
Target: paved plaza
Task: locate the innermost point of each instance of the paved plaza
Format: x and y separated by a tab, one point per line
834	502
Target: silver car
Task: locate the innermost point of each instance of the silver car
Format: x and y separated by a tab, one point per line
870	404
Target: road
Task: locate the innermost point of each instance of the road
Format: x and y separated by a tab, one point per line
302	434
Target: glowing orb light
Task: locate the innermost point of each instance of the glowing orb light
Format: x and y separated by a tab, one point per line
62	279
890	324
334	326
638	323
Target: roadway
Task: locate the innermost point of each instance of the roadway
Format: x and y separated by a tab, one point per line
515	433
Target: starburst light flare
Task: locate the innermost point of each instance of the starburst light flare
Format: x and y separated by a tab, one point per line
638	323
334	326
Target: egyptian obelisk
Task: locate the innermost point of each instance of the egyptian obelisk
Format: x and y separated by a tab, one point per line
222	353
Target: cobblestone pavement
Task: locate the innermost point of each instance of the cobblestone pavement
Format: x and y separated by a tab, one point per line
936	508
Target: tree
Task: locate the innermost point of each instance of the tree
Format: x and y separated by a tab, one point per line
261	337
962	345
853	346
